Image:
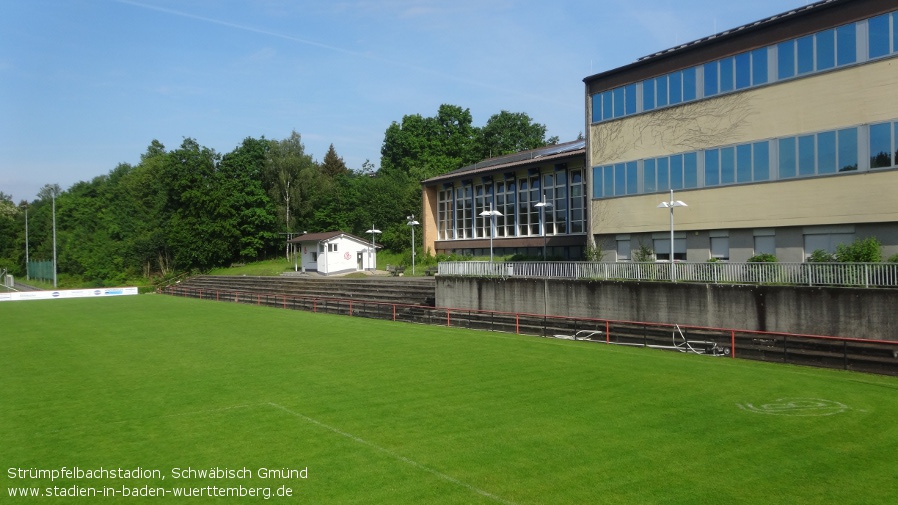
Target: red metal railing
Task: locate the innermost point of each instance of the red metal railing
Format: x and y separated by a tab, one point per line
874	356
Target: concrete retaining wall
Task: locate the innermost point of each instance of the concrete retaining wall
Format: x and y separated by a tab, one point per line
842	312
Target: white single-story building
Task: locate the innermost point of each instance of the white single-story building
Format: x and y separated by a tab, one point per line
334	252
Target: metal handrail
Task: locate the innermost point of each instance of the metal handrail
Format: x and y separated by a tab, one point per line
808	274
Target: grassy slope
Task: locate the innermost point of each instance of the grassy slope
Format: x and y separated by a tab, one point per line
386	412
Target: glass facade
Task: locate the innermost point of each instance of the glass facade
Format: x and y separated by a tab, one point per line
845	45
809	155
515	196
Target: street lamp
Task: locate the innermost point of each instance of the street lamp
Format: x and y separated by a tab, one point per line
411	222
373	231
492	215
670	205
543	205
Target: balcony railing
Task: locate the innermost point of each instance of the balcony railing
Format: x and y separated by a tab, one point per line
808	274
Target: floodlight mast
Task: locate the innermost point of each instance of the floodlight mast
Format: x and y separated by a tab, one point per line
543	205
492	215
411	222
670	205
373	231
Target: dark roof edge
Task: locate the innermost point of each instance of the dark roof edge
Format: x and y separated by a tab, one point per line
733	32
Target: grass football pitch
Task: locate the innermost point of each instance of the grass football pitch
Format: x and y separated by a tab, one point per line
156	395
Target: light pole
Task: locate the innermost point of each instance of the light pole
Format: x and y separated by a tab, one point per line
27	266
373	231
492	215
670	205
54	238
543	205
411	222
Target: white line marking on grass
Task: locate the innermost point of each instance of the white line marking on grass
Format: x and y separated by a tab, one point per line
797	407
394	455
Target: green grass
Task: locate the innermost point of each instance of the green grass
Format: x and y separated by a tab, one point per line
383	412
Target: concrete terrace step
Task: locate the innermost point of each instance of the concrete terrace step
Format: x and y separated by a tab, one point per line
383	289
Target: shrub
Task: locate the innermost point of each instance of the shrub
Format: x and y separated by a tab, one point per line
821	256
644	254
893	258
762	258
867	250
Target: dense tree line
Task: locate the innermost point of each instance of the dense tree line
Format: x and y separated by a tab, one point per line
191	208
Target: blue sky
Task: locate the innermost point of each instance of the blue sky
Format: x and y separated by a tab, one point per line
88	84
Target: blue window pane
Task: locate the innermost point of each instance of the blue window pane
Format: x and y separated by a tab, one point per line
806	152
631	99
727	79
847	150
759	66
727	165
880	145
675	92
743	163
878	36
787	159
648	94
648	176
607	106
689	89
712	167
895	145
676	172
661	95
632	178
690	170
785	59
826	153
710	78
596	108
846	44
620	179
826	49
805	54
761	161
663	173
743	70
609	180
619	101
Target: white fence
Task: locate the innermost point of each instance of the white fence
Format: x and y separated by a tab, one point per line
808	274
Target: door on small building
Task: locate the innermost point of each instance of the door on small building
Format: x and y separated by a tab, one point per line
360	261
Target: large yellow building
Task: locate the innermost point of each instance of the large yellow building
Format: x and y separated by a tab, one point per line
781	136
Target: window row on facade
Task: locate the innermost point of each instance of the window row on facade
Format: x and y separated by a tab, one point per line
562	193
717	243
847	150
845	45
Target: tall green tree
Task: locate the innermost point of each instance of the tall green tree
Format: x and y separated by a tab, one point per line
511	132
426	147
333	165
246	215
290	178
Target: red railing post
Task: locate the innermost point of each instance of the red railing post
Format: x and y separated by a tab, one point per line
733	344
394	312
447	318
607	332
517	324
